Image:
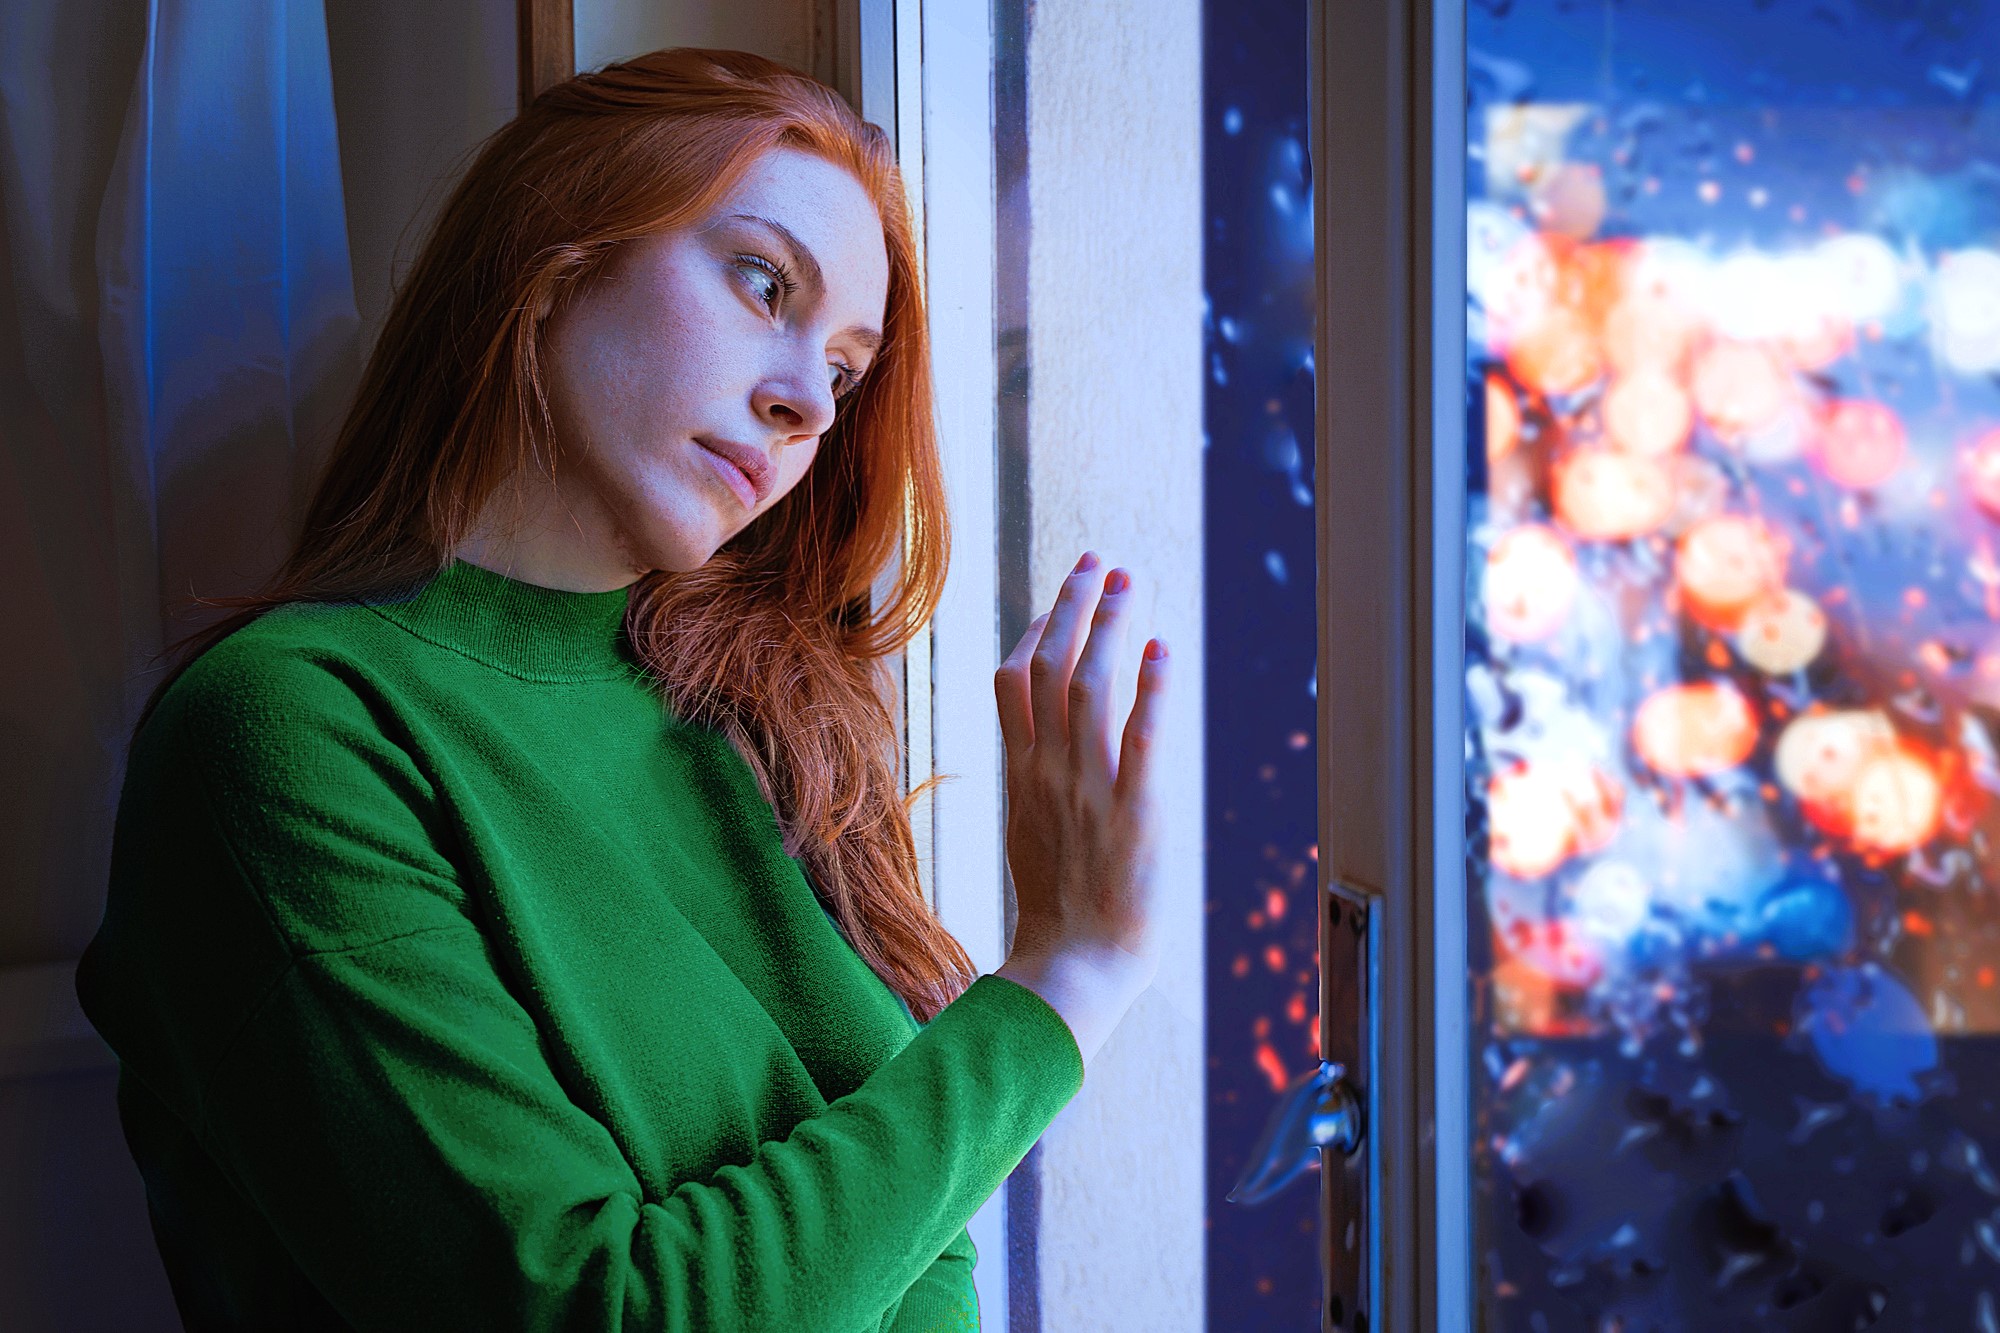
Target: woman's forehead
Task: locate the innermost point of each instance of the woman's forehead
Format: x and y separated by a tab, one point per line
815	199
821	205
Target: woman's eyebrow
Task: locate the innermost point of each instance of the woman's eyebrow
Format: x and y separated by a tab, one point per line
801	257
808	266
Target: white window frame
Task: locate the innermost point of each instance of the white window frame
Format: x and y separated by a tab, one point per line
923	71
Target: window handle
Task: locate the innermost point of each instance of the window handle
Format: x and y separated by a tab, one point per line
1318	1111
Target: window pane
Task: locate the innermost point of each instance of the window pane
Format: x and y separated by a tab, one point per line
1257	500
1733	663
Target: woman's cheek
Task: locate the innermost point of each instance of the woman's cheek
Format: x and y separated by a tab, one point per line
797	470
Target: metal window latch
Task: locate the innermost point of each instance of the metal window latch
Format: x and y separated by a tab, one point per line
1318	1111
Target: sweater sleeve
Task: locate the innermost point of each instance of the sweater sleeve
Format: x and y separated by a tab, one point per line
385	1102
388	1111
943	1300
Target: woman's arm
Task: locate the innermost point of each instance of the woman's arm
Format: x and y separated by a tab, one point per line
289	963
943	1300
390	1111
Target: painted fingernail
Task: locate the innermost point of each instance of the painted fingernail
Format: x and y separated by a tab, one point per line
1156	651
1117	581
1088	562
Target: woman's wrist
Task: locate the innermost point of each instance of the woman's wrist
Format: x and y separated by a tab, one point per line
1090	989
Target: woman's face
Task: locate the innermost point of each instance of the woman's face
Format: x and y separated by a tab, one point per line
735	334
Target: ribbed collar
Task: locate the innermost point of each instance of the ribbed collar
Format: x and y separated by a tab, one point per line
523	629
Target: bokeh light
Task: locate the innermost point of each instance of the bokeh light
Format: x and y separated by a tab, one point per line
1531	581
1726	564
1694	730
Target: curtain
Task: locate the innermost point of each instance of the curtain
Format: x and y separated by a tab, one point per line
177	339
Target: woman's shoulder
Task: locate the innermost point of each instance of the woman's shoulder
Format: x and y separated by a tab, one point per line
291	666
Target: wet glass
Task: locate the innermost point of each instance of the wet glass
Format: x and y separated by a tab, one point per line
1733	663
1262	997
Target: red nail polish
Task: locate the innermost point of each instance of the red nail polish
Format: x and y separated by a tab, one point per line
1156	651
1088	562
1117	581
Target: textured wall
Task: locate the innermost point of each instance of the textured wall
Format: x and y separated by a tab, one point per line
1115	428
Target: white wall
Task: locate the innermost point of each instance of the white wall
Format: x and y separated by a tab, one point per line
1115	438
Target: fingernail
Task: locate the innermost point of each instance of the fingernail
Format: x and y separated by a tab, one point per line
1117	581
1088	562
1156	651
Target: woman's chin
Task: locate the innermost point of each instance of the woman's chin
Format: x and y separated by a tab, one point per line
690	553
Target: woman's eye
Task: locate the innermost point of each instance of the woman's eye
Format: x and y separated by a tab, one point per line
845	378
763	284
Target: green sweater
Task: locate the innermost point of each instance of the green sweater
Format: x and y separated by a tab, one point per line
455	984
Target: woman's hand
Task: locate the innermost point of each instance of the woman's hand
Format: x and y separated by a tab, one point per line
1082	813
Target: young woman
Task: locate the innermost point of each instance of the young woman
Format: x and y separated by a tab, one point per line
512	920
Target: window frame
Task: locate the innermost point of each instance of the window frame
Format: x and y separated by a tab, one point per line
1388	123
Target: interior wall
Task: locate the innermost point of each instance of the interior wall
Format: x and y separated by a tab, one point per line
418	87
1115	444
613	29
415	90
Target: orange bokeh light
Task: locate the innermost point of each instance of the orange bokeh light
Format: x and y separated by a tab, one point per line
1740	388
1782	632
1525	289
1524	1000
1556	355
1647	412
1531	580
1543	811
1819	752
1608	495
1896	800
1857	779
1531	826
1595	277
1693	730
1860	443
1649	327
1726	564
1503	419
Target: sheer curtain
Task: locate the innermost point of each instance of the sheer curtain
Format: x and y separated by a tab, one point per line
177	332
182	332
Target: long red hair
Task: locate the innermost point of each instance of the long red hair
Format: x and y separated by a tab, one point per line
774	641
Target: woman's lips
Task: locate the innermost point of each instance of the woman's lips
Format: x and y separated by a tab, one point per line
739	480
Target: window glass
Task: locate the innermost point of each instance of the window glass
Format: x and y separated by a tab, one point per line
1257	506
1733	663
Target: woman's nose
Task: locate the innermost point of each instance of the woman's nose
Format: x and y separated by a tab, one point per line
795	403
